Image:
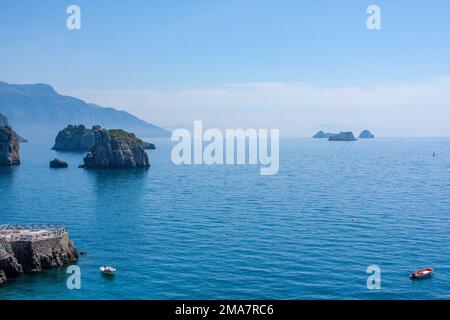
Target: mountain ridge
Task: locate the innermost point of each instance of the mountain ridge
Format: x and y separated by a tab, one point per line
38	109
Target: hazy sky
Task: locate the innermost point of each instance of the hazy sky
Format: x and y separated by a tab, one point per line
295	65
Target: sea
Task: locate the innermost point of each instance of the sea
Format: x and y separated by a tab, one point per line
226	232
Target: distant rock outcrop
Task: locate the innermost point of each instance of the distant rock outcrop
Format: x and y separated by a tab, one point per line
366	134
75	138
323	135
116	149
58	164
343	136
9	146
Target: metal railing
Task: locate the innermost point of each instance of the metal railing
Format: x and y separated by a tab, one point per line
7	231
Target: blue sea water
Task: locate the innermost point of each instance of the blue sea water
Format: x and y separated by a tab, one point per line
226	232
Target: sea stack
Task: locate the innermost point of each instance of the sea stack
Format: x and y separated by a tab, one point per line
75	138
116	149
33	248
323	135
343	136
366	134
80	138
9	146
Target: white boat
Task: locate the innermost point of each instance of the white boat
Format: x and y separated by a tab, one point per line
108	270
421	274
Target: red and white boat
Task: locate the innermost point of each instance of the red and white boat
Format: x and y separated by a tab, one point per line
421	274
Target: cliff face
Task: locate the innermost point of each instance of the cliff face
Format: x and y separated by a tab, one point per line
42	254
116	149
21	256
8	262
9	146
75	138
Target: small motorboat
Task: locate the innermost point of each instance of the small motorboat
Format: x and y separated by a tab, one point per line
108	270
421	274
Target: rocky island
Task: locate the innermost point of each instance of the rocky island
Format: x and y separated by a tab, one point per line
9	146
33	248
75	138
58	164
80	138
366	134
323	135
343	136
115	149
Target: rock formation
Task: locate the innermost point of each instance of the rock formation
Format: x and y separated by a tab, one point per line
9	146
4	122
323	135
343	136
148	145
80	138
75	138
116	149
21	255
8	262
366	134
57	164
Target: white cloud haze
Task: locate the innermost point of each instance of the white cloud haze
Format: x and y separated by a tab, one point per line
297	109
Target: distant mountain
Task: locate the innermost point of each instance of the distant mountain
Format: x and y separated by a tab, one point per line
38	110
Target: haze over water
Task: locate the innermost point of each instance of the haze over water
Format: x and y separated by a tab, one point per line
226	232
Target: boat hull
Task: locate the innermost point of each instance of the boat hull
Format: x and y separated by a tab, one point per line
421	274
